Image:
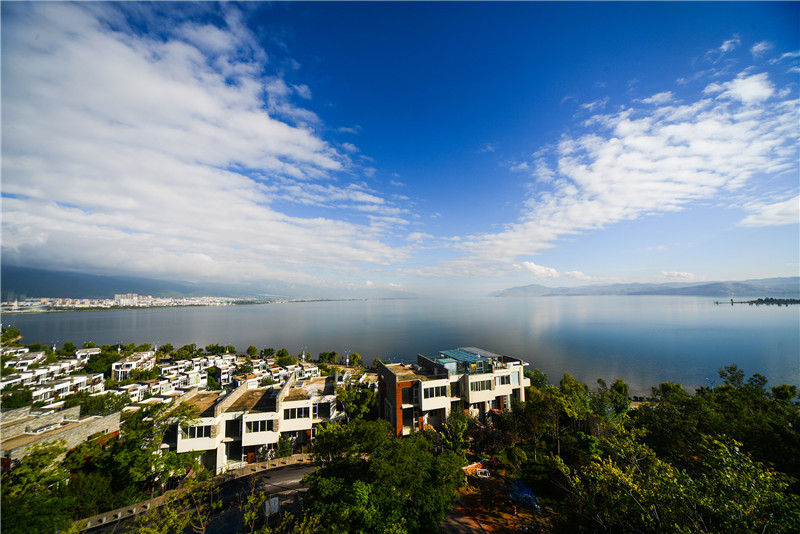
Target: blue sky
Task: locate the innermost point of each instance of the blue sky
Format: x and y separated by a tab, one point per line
428	148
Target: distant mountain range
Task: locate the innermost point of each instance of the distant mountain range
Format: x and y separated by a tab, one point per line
24	282
19	283
766	287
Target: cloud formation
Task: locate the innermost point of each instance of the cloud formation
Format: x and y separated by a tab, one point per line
174	148
661	156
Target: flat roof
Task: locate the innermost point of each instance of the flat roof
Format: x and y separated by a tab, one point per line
403	373
321	385
254	400
205	402
25	439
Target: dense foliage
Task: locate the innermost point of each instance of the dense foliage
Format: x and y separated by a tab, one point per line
723	459
44	492
372	481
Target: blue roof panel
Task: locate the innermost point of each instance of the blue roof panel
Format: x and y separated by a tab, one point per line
462	355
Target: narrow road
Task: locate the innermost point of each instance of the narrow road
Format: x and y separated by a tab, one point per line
283	482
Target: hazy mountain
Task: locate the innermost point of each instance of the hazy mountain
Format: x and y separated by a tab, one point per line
24	282
767	287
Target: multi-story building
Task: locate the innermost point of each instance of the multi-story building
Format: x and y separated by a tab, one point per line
121	370
55	389
246	424
470	379
22	361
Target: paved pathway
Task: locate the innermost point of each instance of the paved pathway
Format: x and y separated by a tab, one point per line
128	512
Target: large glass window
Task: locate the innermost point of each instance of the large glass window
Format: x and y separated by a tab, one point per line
296	413
502	380
436	391
259	426
480	385
193	432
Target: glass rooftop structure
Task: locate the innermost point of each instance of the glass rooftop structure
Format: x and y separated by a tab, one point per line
461	361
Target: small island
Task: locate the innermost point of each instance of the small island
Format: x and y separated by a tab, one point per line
769	301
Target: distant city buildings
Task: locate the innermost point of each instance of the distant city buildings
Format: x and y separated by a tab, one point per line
126	300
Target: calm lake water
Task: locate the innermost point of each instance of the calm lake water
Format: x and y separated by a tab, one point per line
644	340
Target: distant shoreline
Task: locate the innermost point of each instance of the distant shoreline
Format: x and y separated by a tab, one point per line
232	303
769	301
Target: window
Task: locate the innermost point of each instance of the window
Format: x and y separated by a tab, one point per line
193	432
295	413
502	380
480	385
259	426
436	391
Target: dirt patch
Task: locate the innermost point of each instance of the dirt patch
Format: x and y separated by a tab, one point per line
485	506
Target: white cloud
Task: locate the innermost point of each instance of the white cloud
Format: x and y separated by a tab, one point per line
716	54
783	57
645	160
760	48
660	98
778	213
730	44
747	89
678	275
597	104
350	147
578	275
302	91
539	271
177	155
523	166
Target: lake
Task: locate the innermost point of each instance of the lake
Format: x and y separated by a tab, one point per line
645	340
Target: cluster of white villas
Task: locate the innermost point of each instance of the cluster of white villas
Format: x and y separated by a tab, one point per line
245	425
50	381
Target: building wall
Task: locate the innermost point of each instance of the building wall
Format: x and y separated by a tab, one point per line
73	436
70	414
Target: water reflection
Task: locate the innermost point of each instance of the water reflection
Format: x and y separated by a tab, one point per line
645	340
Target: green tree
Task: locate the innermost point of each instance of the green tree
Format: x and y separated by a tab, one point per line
31	493
285	446
284	359
194	507
15	398
215	349
455	431
538	379
357	400
630	489
328	357
784	393
355	360
251	503
68	349
375	482
212	384
252	351
10	335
